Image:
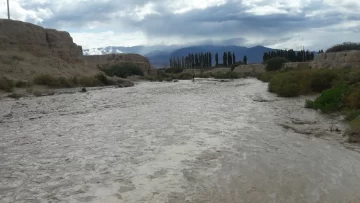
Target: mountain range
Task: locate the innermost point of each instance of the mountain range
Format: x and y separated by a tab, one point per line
159	55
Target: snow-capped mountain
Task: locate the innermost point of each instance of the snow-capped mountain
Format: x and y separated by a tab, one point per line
102	51
142	50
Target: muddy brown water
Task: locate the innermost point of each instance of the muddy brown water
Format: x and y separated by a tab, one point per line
208	141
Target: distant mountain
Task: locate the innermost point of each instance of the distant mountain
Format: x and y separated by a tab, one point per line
143	50
254	54
159	55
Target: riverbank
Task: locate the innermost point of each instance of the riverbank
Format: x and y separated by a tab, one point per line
337	90
45	85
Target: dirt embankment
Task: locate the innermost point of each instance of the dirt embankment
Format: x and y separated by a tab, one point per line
111	59
28	50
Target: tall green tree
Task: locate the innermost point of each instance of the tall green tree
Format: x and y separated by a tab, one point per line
245	60
216	59
225	57
196	59
229	61
233	58
210	60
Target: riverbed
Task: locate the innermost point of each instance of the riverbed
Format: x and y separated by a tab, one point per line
184	142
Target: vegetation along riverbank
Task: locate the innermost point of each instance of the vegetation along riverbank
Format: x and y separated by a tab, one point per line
338	89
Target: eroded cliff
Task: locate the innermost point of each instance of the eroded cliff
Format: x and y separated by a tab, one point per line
101	61
28	50
337	60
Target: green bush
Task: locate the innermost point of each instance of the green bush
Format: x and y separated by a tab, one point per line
354	98
354	131
185	76
6	84
284	85
266	76
63	82
174	70
330	100
226	75
15	96
75	80
275	63
352	114
353	77
123	70
300	82
88	81
290	84
322	79
47	80
346	46
205	75
104	80
23	84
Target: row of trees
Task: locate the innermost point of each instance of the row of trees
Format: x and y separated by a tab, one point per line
203	60
192	60
291	55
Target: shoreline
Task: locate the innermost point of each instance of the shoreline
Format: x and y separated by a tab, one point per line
294	117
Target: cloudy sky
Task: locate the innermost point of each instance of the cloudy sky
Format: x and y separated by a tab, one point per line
315	24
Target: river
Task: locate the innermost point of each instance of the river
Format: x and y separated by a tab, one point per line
184	142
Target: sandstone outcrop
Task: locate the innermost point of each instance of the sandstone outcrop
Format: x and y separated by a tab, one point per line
250	68
297	65
337	60
28	50
102	61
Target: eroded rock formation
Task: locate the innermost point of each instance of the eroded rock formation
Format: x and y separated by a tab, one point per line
101	61
337	60
250	68
27	50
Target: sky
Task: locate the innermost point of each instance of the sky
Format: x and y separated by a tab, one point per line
314	24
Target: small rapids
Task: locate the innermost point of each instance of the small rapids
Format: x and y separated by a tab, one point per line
184	142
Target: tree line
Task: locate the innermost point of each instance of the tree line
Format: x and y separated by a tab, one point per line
204	60
291	55
192	60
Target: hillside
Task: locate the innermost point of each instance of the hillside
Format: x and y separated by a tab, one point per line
28	50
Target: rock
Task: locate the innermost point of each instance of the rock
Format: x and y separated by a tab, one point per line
101	61
297	65
250	68
335	128
28	50
124	83
175	80
337	60
83	89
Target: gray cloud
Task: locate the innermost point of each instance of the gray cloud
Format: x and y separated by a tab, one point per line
231	22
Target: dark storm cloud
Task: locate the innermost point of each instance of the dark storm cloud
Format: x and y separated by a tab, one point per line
231	20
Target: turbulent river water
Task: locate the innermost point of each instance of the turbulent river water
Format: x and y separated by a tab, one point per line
193	142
